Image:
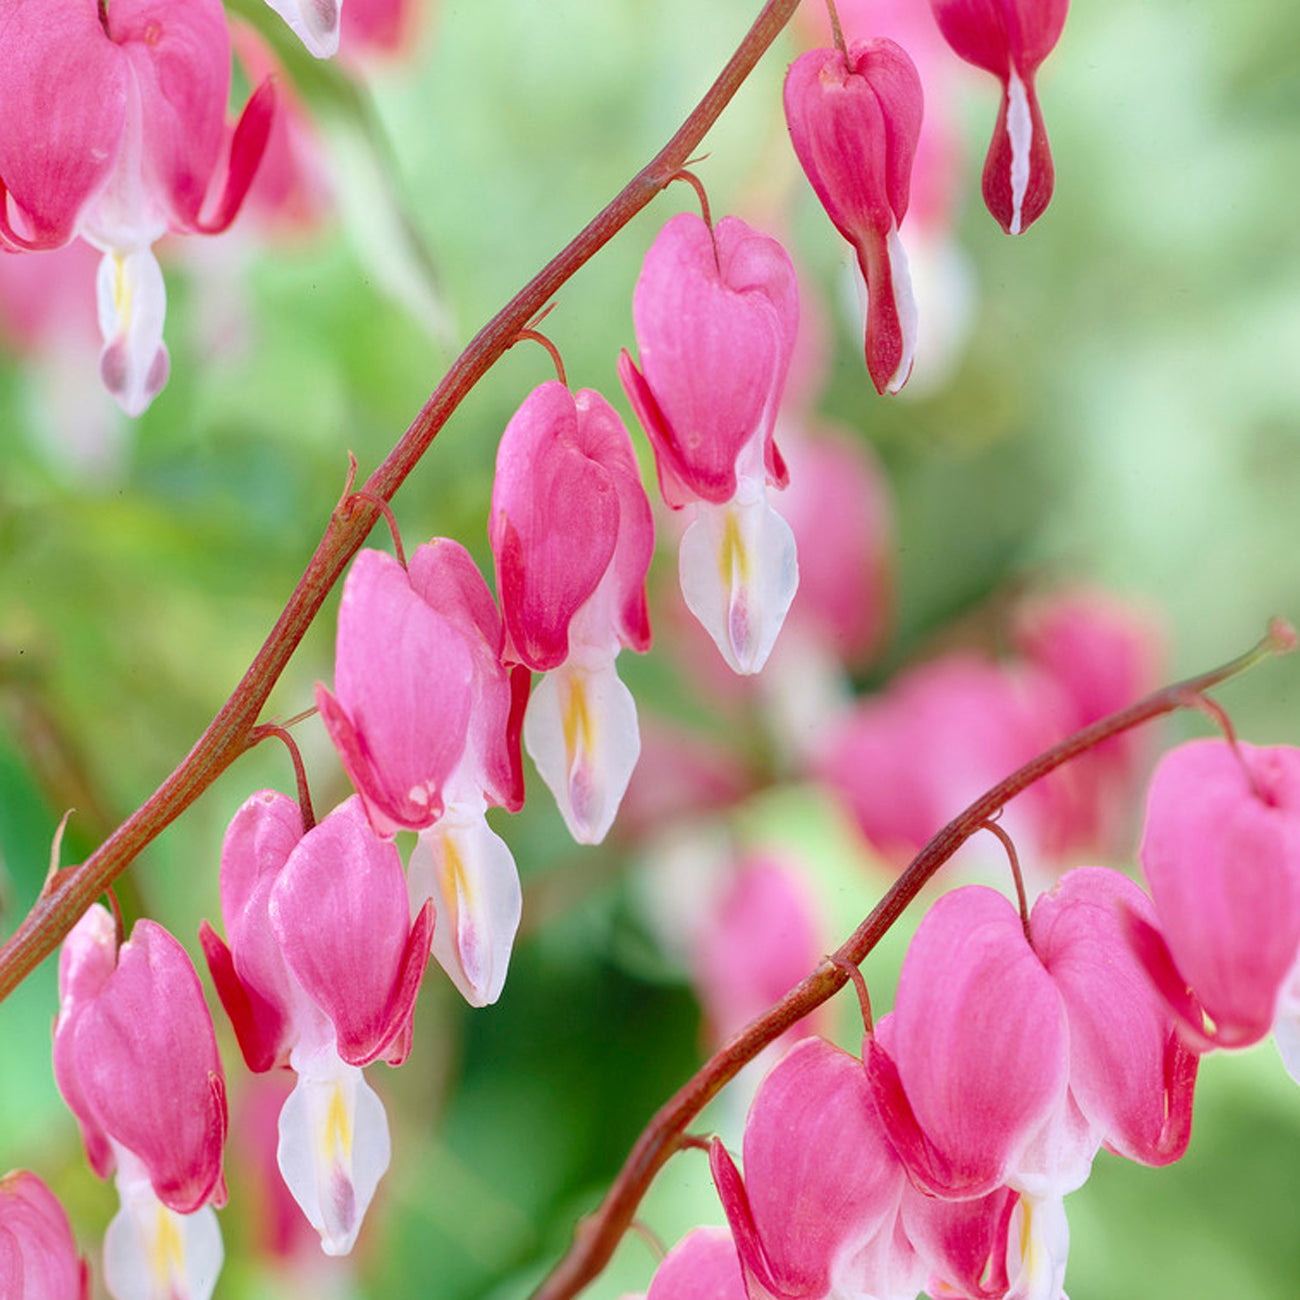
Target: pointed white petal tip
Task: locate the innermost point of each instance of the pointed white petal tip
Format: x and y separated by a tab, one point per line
153	1253
314	22
582	733
132	304
334	1147
905	305
1038	1244
470	873
1020	132
739	574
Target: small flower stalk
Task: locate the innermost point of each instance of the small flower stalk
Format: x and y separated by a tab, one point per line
854	120
1010	39
572	537
716	312
135	1058
320	975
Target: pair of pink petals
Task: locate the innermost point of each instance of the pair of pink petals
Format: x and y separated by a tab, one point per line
38	1257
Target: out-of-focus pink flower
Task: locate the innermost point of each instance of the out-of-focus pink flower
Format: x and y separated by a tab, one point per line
384	27
1221	852
854	122
572	536
816	1213
115	131
1010	38
716	313
136	1060
320	975
38	1257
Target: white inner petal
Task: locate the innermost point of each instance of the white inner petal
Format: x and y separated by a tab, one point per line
1020	132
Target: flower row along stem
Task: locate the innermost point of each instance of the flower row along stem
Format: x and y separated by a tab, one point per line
597	1236
71	890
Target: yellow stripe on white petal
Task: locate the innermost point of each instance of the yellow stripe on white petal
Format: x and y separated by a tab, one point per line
1038	1242
334	1145
153	1253
739	574
581	732
468	871
132	303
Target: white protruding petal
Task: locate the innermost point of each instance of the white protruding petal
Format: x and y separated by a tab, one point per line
739	574
905	305
468	870
581	731
1286	1025
153	1253
132	302
1020	133
314	22
334	1145
1038	1242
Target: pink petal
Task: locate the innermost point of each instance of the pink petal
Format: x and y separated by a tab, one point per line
38	1257
63	100
963	1243
702	1266
146	1059
339	911
1131	1074
971	982
997	35
1222	859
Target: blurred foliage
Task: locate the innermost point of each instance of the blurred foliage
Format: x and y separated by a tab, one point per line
1127	412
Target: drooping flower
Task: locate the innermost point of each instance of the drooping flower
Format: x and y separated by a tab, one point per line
136	1060
321	974
1221	852
115	131
702	1266
716	312
1010	39
38	1257
854	121
572	537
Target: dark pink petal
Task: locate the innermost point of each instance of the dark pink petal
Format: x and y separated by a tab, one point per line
146	1058
38	1257
1131	1074
63	101
554	523
261	1026
820	1175
715	325
702	1266
963	1243
404	684
340	913
971	982
248	147
1019	174
998	35
1221	853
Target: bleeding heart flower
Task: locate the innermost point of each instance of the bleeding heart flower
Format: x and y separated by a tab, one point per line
1010	38
115	131
716	312
854	121
38	1258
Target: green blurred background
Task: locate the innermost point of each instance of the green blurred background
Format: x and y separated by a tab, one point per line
1126	411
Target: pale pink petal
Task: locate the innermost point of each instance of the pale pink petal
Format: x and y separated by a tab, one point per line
581	732
469	872
38	1257
963	1244
702	1266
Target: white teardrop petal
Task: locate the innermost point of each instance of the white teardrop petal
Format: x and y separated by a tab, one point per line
132	302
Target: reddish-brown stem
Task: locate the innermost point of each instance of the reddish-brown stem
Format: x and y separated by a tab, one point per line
73	889
535	336
700	193
837	32
1218	715
994	829
597	1235
860	987
259	734
364	494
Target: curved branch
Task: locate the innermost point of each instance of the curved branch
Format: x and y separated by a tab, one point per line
597	1236
70	891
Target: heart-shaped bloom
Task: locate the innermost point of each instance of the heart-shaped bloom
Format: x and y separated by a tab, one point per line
115	131
1221	852
854	122
135	1058
716	312
419	689
321	975
38	1258
572	537
816	1213
702	1266
1010	38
